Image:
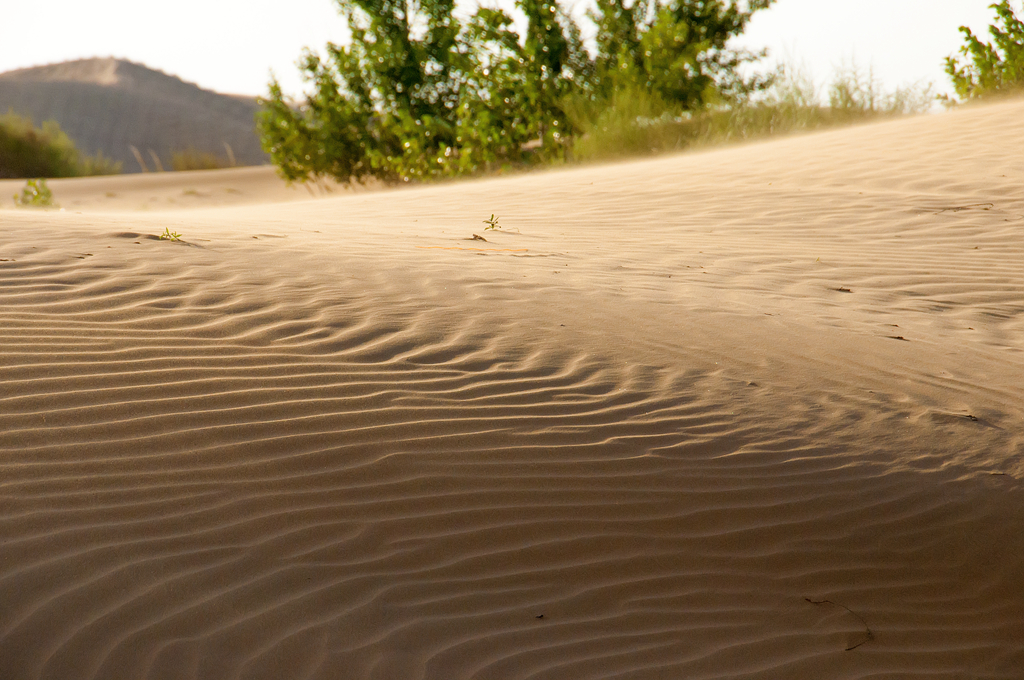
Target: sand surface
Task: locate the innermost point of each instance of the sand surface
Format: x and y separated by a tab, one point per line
162	191
755	412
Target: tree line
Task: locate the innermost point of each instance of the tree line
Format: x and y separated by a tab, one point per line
420	93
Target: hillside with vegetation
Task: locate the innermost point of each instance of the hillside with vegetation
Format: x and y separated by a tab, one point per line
134	115
27	151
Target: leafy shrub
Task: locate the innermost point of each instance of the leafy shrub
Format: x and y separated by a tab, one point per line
35	195
992	68
637	122
418	94
27	151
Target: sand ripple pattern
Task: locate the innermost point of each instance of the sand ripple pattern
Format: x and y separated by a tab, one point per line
217	464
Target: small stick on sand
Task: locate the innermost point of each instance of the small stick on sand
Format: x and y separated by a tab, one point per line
869	635
958	208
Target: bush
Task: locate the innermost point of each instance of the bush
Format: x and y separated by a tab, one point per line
992	68
419	95
26	151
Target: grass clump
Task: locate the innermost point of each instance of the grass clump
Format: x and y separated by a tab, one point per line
35	195
631	122
194	159
635	122
27	151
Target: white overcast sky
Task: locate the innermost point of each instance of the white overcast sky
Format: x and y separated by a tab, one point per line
232	45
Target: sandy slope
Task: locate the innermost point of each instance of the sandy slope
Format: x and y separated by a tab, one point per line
161	191
749	413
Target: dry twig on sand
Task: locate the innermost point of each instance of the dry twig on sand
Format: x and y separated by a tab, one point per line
869	635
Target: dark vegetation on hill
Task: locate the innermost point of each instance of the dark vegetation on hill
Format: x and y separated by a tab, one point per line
28	151
135	115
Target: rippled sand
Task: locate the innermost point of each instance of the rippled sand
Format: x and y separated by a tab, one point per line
748	413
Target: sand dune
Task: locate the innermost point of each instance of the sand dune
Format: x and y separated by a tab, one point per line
748	413
160	191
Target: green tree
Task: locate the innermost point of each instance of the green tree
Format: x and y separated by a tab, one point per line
991	68
676	49
416	94
512	111
377	104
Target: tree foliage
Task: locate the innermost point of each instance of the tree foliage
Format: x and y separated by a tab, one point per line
419	93
991	67
28	151
675	50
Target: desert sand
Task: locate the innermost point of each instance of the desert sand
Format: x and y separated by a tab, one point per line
754	412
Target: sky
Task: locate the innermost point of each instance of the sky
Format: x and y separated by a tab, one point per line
232	46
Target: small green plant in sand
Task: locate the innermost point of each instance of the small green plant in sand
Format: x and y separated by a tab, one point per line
169	235
35	195
492	223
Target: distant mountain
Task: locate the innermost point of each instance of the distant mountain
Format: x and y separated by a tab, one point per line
112	105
